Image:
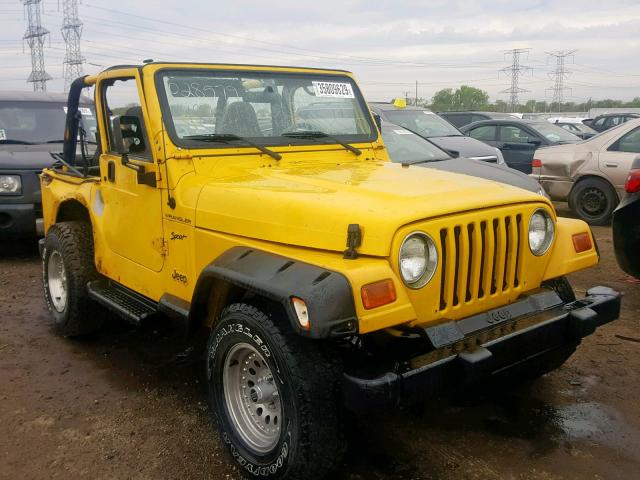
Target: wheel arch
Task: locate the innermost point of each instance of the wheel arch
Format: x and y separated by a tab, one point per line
271	280
72	209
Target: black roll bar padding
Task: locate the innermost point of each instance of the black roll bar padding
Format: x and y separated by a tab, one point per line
73	120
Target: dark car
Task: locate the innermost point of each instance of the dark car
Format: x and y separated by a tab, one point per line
626	224
31	128
408	148
460	119
519	139
429	125
609	120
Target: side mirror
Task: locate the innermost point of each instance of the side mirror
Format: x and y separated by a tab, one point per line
453	153
127	135
128	138
535	142
378	120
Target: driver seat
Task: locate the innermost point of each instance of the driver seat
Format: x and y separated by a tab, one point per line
239	118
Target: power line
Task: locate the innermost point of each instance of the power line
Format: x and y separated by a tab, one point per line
559	75
71	32
515	70
35	36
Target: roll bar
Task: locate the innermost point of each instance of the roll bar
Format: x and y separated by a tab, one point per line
73	117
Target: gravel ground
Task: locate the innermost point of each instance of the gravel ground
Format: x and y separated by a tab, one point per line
130	403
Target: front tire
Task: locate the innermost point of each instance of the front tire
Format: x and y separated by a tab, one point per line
67	267
273	395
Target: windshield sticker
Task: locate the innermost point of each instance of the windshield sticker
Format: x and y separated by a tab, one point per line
403	132
427	112
86	112
333	89
3	134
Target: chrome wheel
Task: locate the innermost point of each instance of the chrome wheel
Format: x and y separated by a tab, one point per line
252	398
57	281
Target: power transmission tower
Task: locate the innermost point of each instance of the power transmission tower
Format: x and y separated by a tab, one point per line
515	71
71	32
35	36
559	75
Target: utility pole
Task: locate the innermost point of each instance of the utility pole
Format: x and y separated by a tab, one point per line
559	75
406	97
416	102
71	32
35	36
515	71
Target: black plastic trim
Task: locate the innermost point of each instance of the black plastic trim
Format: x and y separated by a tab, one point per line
554	326
327	294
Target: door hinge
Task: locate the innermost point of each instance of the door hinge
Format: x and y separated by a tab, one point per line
161	245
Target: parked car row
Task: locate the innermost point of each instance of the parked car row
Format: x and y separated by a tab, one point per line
589	175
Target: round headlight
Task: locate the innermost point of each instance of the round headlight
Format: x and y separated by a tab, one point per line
418	259
541	231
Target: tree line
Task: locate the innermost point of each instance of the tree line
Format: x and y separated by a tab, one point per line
471	98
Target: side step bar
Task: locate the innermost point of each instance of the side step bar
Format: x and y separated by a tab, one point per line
130	305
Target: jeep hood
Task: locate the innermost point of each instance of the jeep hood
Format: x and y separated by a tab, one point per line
312	205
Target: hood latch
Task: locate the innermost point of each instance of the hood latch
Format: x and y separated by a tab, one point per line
354	240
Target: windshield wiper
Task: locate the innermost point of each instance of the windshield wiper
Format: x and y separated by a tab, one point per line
416	162
228	137
16	142
319	134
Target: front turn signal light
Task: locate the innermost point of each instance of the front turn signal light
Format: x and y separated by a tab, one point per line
302	312
582	242
378	294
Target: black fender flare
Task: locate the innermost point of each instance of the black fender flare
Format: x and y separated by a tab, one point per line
327	294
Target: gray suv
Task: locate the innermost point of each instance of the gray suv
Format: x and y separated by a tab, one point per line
31	129
437	130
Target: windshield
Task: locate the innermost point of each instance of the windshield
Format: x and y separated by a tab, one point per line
554	133
265	108
39	122
581	127
423	122
407	147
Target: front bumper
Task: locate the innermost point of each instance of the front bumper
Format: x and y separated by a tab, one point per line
481	347
20	219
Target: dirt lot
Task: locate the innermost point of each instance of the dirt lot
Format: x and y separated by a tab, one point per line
130	404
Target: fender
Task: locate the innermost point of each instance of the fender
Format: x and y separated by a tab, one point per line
327	293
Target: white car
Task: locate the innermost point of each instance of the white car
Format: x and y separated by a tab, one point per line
574	125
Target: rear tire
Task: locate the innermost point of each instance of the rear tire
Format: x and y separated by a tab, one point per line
593	200
67	267
274	396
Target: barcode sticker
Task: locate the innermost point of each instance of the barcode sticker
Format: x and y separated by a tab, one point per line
333	89
83	110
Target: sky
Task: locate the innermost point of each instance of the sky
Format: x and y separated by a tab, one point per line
389	45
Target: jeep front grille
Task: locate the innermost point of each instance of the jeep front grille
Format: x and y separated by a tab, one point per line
480	259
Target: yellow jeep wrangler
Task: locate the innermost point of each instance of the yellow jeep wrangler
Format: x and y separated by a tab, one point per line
259	203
